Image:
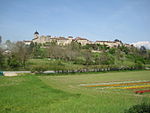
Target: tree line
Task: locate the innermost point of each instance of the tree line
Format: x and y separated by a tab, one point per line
16	54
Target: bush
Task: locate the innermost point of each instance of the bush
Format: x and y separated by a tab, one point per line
142	108
80	60
139	65
60	63
38	69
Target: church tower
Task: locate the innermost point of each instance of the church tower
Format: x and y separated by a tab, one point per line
36	35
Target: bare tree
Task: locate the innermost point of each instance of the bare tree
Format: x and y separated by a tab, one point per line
21	52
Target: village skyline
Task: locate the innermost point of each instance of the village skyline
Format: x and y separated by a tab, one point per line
63	41
127	20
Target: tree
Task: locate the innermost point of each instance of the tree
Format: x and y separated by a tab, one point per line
13	61
36	51
88	57
143	50
116	40
55	51
2	59
106	59
103	47
0	39
10	45
20	51
75	46
112	51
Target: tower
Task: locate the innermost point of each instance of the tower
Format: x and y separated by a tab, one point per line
36	35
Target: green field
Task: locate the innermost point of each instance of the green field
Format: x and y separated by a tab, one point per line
63	93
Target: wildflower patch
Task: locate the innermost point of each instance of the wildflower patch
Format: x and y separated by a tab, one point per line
141	84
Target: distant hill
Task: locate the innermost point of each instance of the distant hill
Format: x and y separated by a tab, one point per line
142	43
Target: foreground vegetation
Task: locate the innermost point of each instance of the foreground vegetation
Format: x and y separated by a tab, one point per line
63	93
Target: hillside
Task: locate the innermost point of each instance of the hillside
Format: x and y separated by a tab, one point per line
51	56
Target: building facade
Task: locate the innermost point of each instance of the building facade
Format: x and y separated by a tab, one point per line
59	40
66	41
110	43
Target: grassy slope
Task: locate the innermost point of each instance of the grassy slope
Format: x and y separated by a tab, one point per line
62	94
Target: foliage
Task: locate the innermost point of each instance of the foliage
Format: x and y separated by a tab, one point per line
141	108
38	69
36	51
2	59
80	60
15	56
112	51
72	54
139	65
0	39
106	59
143	50
13	61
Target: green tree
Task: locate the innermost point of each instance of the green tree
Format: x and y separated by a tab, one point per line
18	56
0	39
143	50
106	59
2	59
13	61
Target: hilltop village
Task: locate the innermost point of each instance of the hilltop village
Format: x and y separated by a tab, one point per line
66	41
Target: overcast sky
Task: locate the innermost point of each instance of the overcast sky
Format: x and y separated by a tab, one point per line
127	20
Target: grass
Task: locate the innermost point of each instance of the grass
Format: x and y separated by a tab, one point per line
62	94
29	94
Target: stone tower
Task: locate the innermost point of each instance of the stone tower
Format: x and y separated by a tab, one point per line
36	35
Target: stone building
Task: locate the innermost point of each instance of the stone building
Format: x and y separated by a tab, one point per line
65	41
59	40
110	43
82	41
41	39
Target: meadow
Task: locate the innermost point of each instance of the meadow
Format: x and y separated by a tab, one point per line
64	93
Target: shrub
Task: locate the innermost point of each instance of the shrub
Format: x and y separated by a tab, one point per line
60	63
139	65
80	60
142	108
38	69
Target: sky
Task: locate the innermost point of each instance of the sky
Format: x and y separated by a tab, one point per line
126	20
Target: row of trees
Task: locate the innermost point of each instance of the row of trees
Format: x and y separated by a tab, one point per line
73	52
15	55
84	55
